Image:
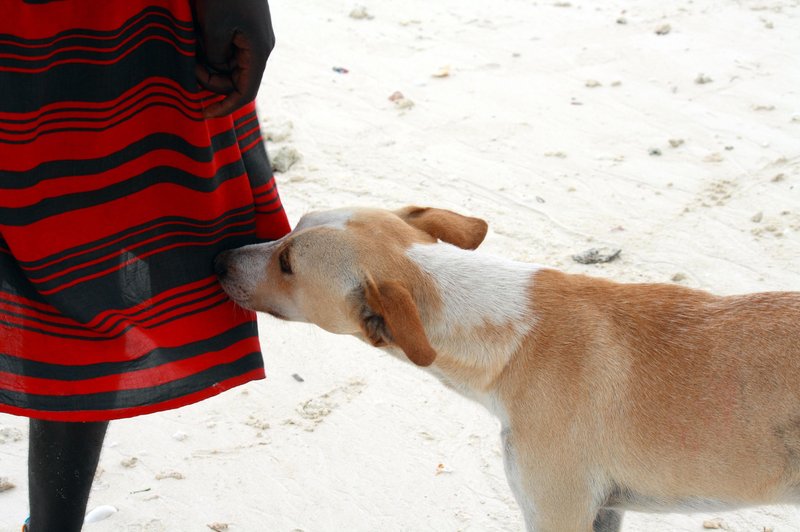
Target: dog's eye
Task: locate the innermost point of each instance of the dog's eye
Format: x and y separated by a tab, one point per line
283	260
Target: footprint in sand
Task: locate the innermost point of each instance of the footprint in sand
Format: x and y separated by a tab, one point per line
314	411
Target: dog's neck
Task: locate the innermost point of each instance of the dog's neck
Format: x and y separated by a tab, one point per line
484	316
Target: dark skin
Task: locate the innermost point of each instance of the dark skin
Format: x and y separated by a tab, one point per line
235	39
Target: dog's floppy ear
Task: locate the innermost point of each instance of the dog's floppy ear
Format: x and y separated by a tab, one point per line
448	226
396	320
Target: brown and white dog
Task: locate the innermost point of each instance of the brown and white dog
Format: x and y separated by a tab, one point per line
611	396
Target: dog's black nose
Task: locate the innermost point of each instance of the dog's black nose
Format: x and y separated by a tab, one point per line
221	264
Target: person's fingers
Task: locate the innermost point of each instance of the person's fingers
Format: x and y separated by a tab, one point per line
218	82
217	46
245	77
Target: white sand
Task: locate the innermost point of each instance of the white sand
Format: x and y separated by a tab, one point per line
356	446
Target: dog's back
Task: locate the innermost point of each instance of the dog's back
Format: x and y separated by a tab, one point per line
679	397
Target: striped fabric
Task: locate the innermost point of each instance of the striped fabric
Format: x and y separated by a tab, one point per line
115	196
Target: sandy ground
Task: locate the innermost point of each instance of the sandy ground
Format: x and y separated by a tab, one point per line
552	121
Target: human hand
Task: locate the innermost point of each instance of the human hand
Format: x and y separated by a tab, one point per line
235	39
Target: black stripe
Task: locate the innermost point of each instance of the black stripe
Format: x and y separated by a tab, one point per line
180	294
27	92
47	126
169	89
14	282
270	211
143	280
183	28
259	170
176	221
262	204
134	398
116	315
242	119
266	192
38	311
118	334
90	56
252	137
146	323
20	216
100	128
157	357
159	236
114	261
157	141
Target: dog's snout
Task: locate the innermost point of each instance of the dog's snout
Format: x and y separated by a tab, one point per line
221	264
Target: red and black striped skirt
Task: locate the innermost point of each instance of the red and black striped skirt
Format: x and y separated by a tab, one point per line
115	196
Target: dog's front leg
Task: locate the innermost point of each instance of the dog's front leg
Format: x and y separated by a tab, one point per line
608	521
513	475
553	493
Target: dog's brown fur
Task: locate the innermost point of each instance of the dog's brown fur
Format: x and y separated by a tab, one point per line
612	396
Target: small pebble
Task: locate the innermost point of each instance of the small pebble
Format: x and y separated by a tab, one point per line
180	436
170	474
757	217
664	29
443	72
129	462
297	377
440	469
219	527
702	79
622	21
716	523
9	434
655	152
597	255
593	83
285	158
678	277
676	142
100	513
6	484
360	13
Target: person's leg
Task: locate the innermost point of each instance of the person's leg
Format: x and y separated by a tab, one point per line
62	459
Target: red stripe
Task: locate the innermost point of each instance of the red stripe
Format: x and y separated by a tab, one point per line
111	61
121	45
248	133
251	119
89	36
78	145
129	235
104	415
252	144
131	380
74	228
150	306
109	105
130	346
120	266
104	118
43	21
138	245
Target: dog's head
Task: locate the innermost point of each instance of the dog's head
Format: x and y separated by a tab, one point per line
347	271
